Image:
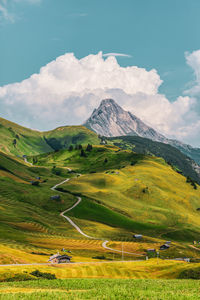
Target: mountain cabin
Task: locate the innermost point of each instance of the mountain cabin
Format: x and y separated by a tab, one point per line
137	236
59	259
164	247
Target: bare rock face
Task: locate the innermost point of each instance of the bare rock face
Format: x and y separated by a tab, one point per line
110	120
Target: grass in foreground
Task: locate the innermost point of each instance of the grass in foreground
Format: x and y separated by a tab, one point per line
101	289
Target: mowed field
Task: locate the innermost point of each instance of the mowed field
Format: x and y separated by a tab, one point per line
152	269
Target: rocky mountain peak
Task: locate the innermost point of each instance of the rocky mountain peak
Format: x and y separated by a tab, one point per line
110	119
109	106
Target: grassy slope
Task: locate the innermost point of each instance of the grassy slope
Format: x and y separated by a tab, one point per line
94	160
118	269
113	208
63	137
30	222
27	141
27	214
18	140
146	146
157	199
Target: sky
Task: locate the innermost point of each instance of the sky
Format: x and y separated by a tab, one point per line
59	59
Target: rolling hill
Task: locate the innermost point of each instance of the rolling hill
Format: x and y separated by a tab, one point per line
125	189
122	193
171	155
17	140
145	193
63	137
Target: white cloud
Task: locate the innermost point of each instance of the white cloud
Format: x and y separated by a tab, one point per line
66	90
67	75
117	54
193	60
7	9
5	15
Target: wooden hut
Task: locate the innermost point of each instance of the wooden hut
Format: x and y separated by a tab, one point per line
59	259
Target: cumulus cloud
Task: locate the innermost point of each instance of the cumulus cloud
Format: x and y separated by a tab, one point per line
66	90
67	75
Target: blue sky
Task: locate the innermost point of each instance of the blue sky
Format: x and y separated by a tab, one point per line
156	34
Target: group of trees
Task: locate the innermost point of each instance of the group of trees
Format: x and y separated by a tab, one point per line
88	149
76	147
80	147
192	182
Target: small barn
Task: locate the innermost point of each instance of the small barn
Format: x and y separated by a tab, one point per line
137	236
59	259
151	250
164	247
55	197
35	183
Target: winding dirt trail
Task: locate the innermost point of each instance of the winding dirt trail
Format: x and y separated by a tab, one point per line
79	199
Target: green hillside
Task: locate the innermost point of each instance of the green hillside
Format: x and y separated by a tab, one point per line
63	137
153	198
30	226
26	211
171	155
17	140
122	193
99	159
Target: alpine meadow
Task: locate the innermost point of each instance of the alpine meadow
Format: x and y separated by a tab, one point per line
99	150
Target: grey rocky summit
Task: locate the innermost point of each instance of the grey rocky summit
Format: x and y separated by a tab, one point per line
110	120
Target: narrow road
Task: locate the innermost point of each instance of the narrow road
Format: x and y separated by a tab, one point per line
72	223
71	263
104	244
55	186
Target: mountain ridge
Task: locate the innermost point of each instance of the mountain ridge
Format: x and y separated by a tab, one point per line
111	120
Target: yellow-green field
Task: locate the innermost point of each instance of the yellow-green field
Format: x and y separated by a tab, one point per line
119	280
152	269
151	193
